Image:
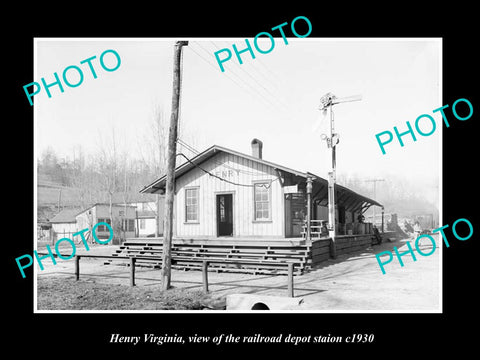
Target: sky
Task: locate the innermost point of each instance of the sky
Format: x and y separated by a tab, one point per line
274	97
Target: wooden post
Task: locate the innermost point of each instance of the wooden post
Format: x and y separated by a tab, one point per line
157	217
290	280
332	178
77	267
132	271
205	276
171	157
309	207
137	227
59	199
383	215
331	215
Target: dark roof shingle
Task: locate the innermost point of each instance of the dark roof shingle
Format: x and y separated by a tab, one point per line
67	215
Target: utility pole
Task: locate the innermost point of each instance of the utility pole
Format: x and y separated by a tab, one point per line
59	199
327	101
374	193
171	157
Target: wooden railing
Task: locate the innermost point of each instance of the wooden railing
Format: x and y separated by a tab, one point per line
317	230
132	260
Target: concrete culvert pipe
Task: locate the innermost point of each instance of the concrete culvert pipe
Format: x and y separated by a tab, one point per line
260	306
261	302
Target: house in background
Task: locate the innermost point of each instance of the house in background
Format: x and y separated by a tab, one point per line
64	224
123	221
146	215
146	223
136	219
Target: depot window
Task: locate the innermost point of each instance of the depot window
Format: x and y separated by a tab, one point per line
191	205
262	200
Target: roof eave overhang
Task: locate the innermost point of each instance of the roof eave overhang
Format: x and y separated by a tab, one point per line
158	186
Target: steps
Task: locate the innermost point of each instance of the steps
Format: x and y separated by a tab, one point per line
257	259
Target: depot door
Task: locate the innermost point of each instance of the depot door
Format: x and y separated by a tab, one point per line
295	214
225	215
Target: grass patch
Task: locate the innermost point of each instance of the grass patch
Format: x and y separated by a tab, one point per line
68	294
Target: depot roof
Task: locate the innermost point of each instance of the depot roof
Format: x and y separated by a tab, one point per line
349	198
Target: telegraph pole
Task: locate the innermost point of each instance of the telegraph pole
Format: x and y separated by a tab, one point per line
171	156
327	101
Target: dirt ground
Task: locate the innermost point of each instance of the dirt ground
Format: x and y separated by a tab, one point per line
350	283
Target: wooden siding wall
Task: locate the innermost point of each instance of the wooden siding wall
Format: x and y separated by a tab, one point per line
82	220
103	211
347	244
238	170
321	249
65	227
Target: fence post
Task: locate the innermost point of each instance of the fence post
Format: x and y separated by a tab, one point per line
290	280
205	276
132	271
77	267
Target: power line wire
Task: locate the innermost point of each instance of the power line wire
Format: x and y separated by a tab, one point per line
275	77
209	63
274	97
234	81
188	147
251	64
262	73
196	152
274	106
267	186
257	61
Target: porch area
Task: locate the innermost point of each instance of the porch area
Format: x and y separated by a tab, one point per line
307	211
318	229
244	255
247	255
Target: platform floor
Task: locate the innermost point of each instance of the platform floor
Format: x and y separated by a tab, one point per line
225	241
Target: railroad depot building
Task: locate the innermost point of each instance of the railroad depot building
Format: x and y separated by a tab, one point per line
224	195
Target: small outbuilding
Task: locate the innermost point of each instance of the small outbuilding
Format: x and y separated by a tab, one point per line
123	220
64	224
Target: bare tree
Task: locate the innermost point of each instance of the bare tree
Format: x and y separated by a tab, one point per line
153	151
153	143
107	165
